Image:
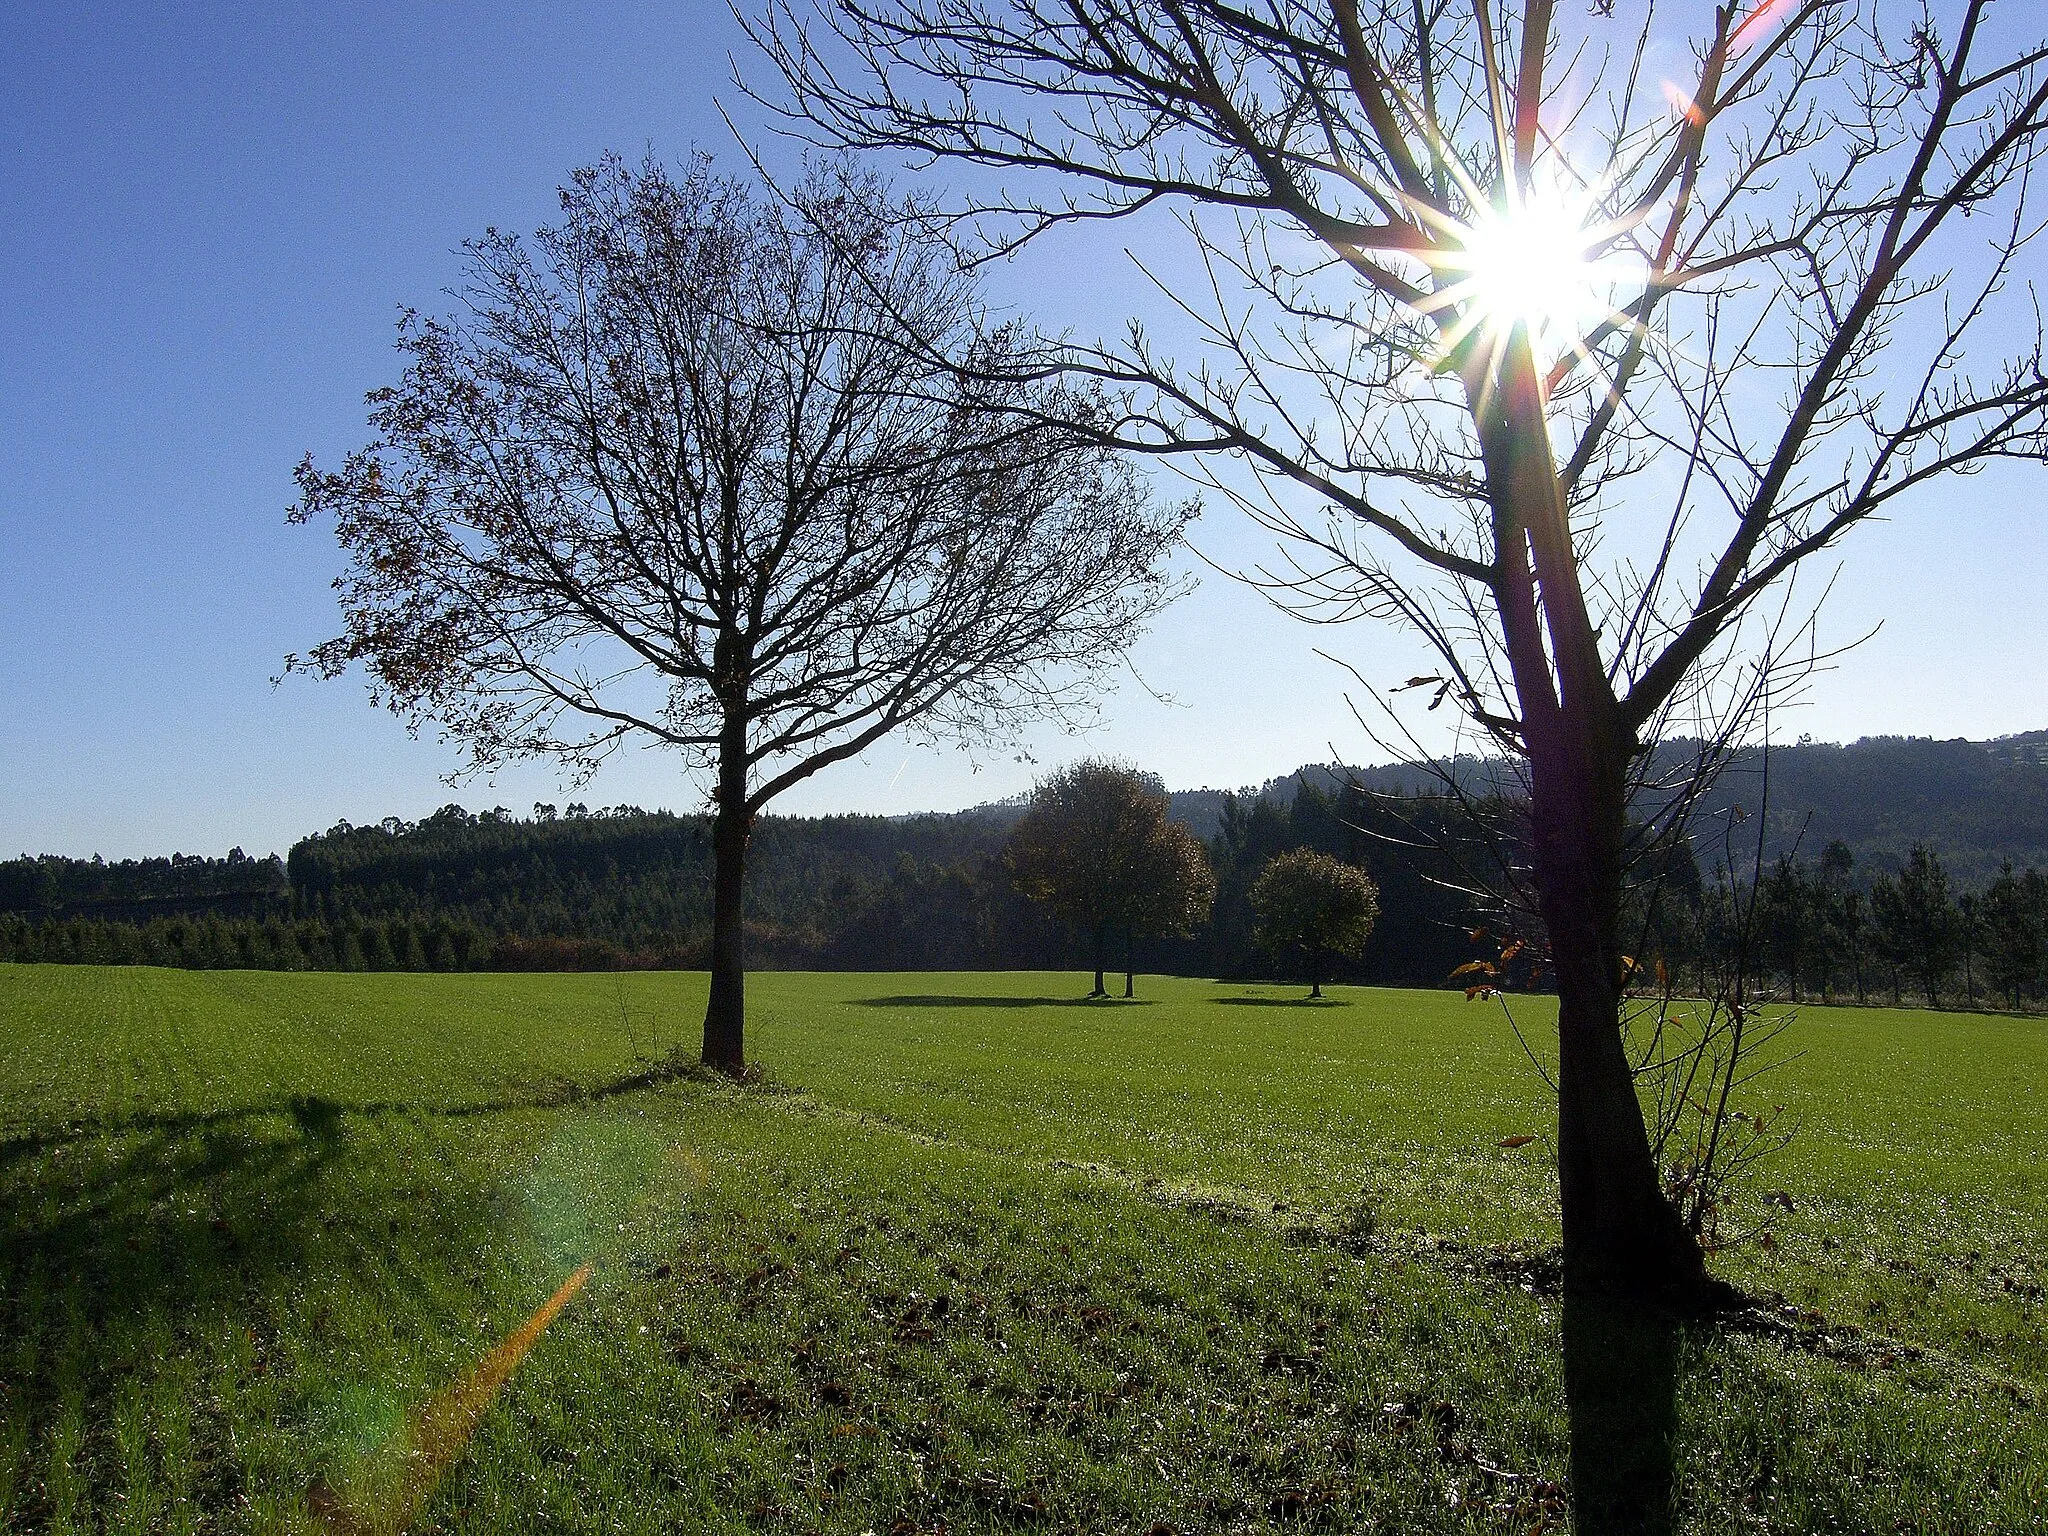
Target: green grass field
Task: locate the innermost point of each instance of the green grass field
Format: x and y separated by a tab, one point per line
976	1258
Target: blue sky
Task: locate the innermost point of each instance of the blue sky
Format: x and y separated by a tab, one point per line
208	217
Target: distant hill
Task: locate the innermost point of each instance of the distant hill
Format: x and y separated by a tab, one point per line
630	874
1976	803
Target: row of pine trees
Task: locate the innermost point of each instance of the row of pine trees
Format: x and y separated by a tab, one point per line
407	898
213	942
1816	932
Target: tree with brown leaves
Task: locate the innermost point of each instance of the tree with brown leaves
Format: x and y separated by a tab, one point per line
710	470
1097	850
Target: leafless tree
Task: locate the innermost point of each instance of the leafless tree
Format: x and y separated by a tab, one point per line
1563	335
705	468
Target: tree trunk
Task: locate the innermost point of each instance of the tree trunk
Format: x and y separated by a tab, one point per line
1130	966
1621	1236
725	1015
1315	974
1101	944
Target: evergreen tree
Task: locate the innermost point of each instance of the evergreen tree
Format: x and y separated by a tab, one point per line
1787	921
1916	922
2014	913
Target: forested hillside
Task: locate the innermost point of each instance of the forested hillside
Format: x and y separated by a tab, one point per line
1974	804
631	887
625	886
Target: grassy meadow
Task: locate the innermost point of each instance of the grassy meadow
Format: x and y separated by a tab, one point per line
976	1256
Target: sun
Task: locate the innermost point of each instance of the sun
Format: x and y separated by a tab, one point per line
1545	261
1533	265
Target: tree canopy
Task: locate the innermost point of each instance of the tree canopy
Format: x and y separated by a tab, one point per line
1315	906
706	467
1096	848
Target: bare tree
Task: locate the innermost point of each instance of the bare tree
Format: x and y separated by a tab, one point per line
1559	337
699	467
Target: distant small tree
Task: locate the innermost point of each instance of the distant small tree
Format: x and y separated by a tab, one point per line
1969	910
1838	916
1890	939
1848	931
1172	887
1789	909
1097	849
1311	904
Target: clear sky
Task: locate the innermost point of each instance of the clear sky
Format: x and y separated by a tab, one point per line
208	217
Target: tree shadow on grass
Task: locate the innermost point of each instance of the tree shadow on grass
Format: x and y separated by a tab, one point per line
948	1000
147	1256
138	1251
1282	1002
178	1213
319	1118
1621	1382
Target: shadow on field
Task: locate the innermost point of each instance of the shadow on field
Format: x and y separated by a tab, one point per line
1620	1383
127	1261
172	1217
948	1000
316	1115
1282	1002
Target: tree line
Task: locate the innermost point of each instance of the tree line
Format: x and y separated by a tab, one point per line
572	888
568	889
211	941
137	889
1900	936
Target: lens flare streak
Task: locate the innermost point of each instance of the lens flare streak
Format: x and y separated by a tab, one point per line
439	1432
